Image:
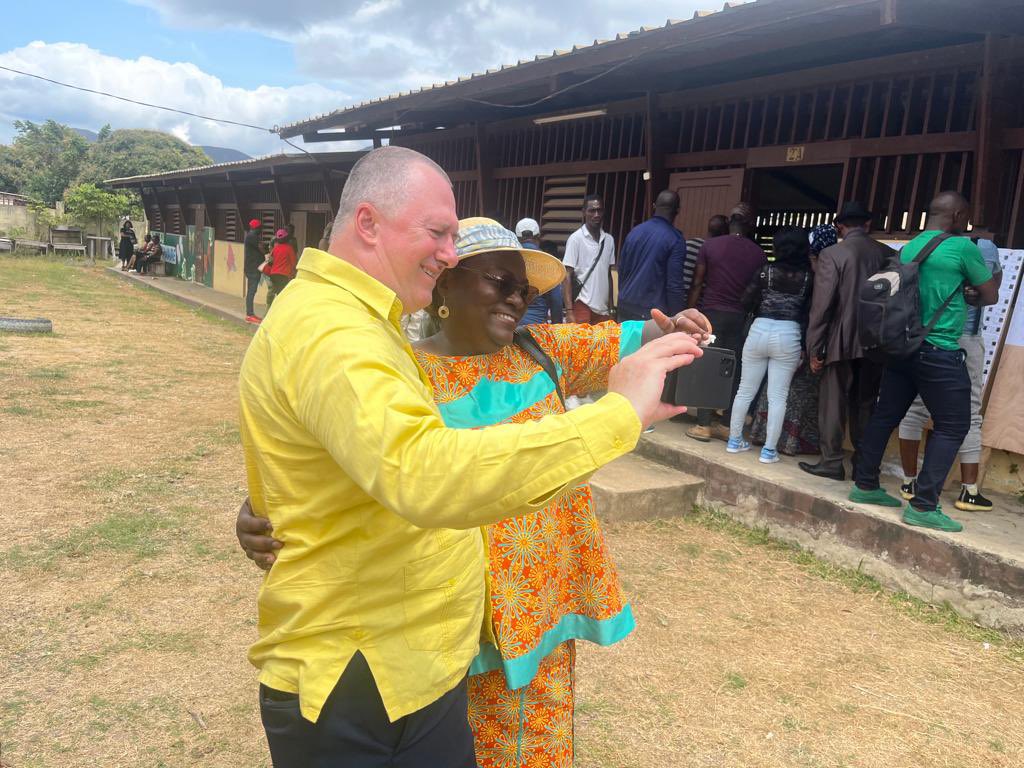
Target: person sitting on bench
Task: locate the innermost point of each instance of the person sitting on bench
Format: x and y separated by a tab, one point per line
154	255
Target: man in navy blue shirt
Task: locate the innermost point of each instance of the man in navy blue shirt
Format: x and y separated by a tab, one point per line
546	308
651	264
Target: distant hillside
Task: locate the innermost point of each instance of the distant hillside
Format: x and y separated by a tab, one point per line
223	154
86	134
217	154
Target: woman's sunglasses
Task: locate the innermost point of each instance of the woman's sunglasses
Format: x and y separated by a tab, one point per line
506	285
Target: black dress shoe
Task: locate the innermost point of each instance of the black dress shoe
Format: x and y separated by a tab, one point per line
819	471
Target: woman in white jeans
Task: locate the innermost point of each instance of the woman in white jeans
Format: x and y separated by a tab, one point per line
779	296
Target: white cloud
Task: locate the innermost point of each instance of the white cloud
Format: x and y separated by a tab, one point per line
175	84
368	10
350	50
377	47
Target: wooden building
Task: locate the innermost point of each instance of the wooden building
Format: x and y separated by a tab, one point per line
301	189
795	105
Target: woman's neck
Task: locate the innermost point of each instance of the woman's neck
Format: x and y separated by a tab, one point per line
443	345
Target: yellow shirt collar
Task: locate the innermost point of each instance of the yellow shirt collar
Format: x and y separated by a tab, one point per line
374	294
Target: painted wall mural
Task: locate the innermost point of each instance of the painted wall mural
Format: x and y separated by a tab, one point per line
200	248
227	272
172	251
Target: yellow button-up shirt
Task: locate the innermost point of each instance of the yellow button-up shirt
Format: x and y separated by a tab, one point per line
377	502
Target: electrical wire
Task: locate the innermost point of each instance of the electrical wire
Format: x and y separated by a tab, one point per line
275	130
140	103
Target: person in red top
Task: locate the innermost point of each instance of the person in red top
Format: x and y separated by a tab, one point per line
282	264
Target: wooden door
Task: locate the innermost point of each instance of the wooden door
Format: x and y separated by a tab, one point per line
702	194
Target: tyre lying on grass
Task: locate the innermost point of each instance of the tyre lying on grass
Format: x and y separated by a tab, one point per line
25	325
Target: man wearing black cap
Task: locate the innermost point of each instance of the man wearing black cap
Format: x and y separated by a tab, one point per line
849	382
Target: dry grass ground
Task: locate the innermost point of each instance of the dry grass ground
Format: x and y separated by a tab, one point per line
126	609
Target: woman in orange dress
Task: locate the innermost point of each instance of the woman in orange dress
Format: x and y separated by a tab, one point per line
552	580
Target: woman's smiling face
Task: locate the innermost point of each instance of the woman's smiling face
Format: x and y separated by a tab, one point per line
482	318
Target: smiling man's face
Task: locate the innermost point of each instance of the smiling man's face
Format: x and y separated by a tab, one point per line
418	242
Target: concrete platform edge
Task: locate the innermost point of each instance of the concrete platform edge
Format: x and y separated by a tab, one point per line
981	585
192	302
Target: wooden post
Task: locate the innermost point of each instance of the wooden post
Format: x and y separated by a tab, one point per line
279	197
657	174
204	207
182	218
324	178
241	226
485	189
984	151
145	212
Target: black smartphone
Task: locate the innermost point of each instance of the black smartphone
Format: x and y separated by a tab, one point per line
704	383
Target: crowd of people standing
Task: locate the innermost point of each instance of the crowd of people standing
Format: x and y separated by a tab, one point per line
792	321
804	384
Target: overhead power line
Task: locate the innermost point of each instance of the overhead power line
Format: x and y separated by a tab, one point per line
275	130
139	103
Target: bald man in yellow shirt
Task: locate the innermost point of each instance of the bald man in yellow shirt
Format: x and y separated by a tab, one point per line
372	613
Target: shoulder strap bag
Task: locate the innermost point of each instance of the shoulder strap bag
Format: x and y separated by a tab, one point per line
577	286
525	341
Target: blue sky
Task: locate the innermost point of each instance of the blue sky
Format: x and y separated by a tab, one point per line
269	62
240	57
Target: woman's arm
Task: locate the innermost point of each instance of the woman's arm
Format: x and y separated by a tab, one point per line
689	321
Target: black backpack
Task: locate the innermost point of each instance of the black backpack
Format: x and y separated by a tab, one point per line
889	320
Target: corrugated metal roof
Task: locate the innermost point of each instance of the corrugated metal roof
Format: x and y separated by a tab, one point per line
195	168
264	161
557	53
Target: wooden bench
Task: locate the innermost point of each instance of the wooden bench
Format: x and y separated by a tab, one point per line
64	239
39	245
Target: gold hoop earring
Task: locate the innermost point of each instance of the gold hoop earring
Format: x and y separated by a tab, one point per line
443	311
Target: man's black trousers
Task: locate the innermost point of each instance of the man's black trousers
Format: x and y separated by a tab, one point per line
353	730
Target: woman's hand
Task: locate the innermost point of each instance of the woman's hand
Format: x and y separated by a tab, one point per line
689	321
254	537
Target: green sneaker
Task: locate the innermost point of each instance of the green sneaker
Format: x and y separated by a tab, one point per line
877	496
935	518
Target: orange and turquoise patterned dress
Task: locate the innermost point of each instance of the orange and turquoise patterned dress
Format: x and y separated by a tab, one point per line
552	580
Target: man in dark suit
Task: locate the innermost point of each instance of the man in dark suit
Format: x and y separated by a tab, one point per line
849	382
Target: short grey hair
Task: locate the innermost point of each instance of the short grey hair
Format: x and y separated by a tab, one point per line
381	177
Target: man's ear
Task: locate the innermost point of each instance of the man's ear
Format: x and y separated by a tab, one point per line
367	223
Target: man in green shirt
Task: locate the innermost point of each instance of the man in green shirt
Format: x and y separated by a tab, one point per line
912	426
937	372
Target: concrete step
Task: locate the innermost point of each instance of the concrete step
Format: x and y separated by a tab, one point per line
633	488
979	571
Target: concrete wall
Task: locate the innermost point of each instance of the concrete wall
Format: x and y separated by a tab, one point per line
20	217
228	278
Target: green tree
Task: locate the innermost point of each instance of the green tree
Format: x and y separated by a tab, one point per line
10	170
88	204
134	152
47	158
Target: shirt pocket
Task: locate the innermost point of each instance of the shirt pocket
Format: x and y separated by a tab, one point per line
444	597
